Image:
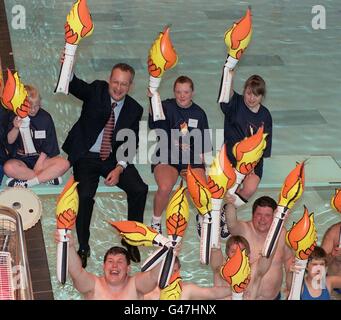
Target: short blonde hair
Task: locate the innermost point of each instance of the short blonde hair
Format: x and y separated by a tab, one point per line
33	93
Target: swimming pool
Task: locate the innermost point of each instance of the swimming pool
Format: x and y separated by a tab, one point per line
303	87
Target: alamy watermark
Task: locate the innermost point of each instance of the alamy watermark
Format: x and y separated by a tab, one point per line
18	17
168	146
319	20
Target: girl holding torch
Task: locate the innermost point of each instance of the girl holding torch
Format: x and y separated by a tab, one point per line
183	138
244	115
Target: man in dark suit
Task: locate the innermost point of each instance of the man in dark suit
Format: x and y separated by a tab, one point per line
95	148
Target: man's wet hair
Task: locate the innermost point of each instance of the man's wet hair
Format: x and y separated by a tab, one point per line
117	250
264	201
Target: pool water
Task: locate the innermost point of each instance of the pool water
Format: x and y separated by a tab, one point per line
297	62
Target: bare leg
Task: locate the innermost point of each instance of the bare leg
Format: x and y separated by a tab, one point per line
165	177
18	170
51	168
250	185
39	166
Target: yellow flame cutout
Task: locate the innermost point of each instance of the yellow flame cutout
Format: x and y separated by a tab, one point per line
237	271
135	233
238	37
173	290
67	205
177	212
79	22
302	237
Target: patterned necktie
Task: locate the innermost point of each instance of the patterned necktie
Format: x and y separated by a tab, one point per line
107	134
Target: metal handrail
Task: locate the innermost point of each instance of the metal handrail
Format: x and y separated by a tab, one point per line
12	240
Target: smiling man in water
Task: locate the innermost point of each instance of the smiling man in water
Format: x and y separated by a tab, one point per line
115	283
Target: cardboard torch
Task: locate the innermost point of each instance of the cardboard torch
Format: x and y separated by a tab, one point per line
237	38
177	216
78	26
248	153
138	234
221	177
236	271
302	237
291	191
201	197
66	213
162	57
15	98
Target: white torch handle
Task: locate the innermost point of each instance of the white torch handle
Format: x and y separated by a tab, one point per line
205	239
158	113
66	69
297	280
237	296
239	179
226	80
274	231
225	86
215	233
26	137
166	268
232	191
62	255
160	241
154	259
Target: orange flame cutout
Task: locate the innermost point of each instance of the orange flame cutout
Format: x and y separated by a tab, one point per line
197	188
238	37
221	175
302	236
135	233
336	201
174	289
162	55
293	187
177	213
78	23
237	271
67	205
249	151
14	95
176	224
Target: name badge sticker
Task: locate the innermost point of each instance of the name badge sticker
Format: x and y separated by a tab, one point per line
40	134
193	123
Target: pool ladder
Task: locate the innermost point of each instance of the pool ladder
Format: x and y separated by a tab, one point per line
15	277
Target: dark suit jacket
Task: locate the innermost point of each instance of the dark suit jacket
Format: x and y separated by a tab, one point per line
95	113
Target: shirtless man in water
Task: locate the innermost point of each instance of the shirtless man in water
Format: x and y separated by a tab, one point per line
255	232
191	291
331	243
115	283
